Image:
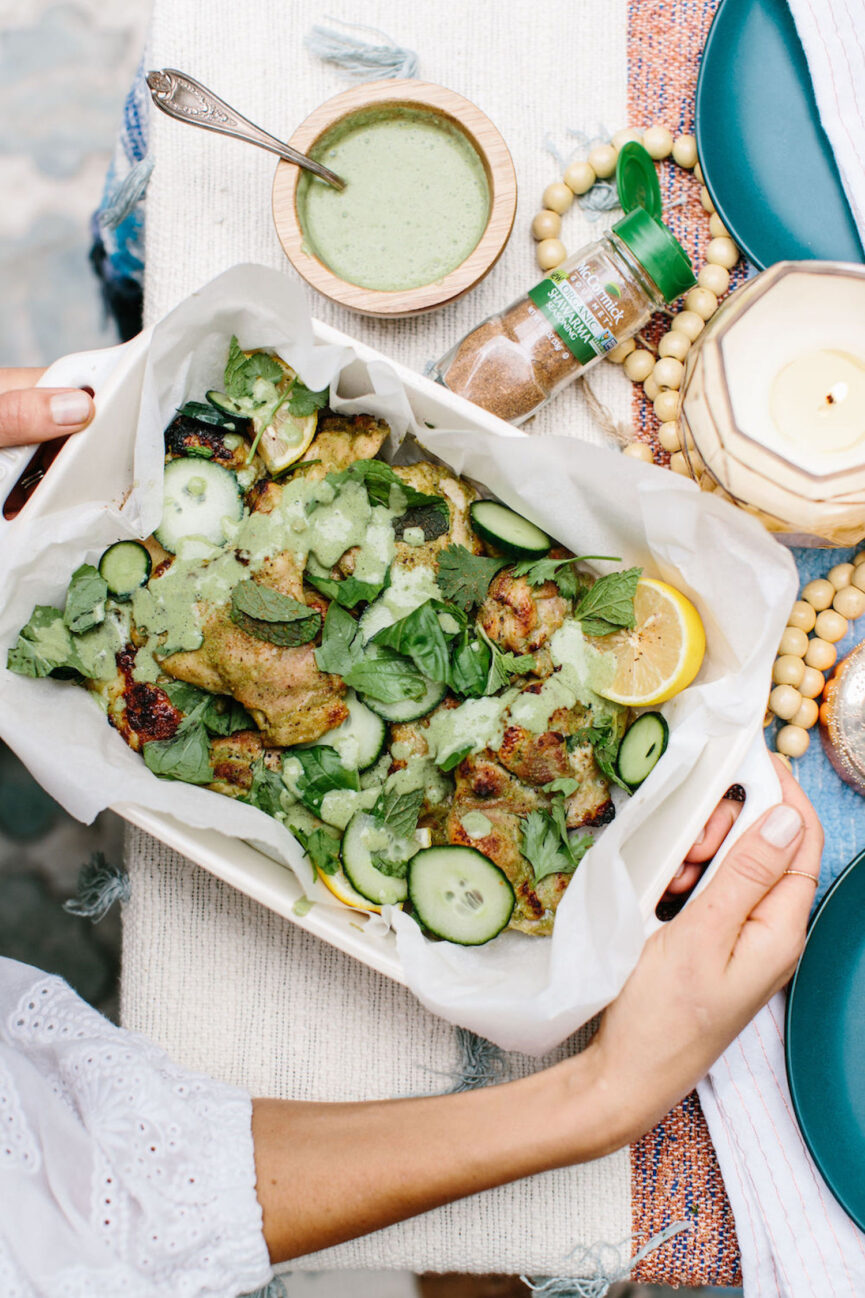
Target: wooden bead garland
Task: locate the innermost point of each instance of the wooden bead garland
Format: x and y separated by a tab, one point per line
818	620
660	375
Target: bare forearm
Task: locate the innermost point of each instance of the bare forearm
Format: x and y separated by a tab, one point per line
329	1172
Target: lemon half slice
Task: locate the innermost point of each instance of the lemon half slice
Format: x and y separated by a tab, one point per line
663	652
339	885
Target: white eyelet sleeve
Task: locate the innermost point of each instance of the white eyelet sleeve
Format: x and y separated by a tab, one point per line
120	1173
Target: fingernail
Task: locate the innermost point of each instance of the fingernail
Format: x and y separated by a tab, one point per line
70	408
680	871
702	834
781	826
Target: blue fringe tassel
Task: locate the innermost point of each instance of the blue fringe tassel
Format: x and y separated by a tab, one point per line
100	884
609	1263
359	60
481	1063
275	1289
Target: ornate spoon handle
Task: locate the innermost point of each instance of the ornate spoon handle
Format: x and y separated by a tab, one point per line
186	99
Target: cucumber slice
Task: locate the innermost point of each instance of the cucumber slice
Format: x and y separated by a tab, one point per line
124	567
642	747
459	894
222	402
360	739
508	531
198	496
409	709
364	836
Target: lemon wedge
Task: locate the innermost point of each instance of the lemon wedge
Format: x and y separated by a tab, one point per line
286	439
661	654
339	885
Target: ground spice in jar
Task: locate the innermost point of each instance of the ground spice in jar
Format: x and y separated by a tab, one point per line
514	362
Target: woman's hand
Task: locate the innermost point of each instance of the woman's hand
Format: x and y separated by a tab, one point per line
30	414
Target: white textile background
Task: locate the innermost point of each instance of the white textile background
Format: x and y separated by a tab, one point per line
291	1015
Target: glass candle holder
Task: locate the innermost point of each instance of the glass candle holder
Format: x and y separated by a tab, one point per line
773	402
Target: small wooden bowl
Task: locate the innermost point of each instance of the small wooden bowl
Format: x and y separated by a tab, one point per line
490	148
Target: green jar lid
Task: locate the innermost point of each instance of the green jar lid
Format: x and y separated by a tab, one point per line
637	180
658	250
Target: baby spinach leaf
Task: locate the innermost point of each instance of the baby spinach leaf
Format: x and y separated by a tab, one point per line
388	677
241	371
186	756
609	604
269	615
322	771
399	811
464	578
43	646
340	645
419	636
85	599
303	401
350	591
321	846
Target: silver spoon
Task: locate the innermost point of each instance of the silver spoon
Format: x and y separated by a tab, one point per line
186	99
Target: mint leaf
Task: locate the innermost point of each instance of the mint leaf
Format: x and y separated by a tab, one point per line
303	401
464	578
267	789
609	604
85	599
419	636
269	615
340	645
399	811
241	372
186	756
322	848
221	714
43	645
350	591
387	677
321	772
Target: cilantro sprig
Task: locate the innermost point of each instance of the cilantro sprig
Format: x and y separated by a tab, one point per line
546	845
464	578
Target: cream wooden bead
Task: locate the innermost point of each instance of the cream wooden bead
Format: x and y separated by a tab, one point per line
792	741
850	603
819	593
622	351
550	253
858	578
802	615
812	683
721	252
652	387
820	654
675	344
706	200
685	151
658	142
639	365
717	228
788	669
640	451
679	464
689	324
715	278
858	558
807	715
668	436
793	641
666	405
546	225
702	301
557	197
785	701
840	575
602	160
830	626
629	135
698	172
579	177
669	372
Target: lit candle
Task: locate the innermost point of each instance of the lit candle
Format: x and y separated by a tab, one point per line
818	401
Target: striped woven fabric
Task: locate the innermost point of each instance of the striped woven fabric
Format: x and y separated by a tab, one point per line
674	1172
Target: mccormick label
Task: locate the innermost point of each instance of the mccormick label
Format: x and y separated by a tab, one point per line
573	304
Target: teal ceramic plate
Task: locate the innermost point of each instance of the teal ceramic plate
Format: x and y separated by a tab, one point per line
765	157
825	1039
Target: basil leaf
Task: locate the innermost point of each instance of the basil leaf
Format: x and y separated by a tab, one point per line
453	759
321	846
241	372
350	591
322	771
379	480
464	578
399	811
470	667
340	645
609	604
267	789
419	636
85	599
43	646
269	615
303	401
186	756
391	866
387	677
504	665
221	714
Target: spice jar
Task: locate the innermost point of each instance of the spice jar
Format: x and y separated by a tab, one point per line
514	362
